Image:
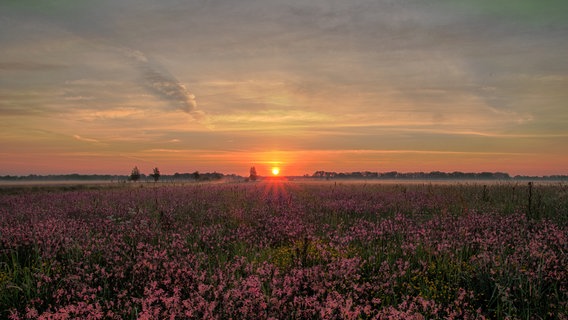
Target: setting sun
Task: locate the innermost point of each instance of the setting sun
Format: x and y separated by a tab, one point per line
275	171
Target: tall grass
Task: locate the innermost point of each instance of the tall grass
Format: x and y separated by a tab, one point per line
287	251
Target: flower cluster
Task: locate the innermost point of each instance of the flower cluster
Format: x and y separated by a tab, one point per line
282	250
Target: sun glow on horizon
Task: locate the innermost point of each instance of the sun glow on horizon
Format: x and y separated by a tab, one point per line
275	171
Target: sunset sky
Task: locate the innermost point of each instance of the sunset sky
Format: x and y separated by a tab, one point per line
222	85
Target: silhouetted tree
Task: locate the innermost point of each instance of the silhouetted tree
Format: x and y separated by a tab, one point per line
196	175
253	176
156	175
135	174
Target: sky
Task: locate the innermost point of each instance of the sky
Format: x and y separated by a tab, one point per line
223	85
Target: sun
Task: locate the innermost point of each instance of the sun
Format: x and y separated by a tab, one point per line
275	171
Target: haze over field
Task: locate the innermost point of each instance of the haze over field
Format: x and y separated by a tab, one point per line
101	86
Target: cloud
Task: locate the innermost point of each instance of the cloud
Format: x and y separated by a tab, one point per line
134	54
78	98
29	66
163	84
78	137
168	88
274	119
118	113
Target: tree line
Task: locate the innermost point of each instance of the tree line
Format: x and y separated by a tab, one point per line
456	175
136	175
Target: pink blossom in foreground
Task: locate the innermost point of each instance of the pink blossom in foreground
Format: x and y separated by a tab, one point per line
286	251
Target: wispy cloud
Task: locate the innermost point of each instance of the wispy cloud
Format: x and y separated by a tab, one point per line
80	138
78	98
168	88
404	151
166	150
163	84
29	66
271	119
118	113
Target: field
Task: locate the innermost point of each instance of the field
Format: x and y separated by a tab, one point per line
285	250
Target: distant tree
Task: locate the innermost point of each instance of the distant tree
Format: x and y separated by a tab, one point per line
318	174
156	175
196	175
135	174
389	175
253	176
485	175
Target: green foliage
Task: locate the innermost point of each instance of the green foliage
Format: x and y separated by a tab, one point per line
301	253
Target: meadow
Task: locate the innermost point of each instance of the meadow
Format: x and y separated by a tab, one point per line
285	250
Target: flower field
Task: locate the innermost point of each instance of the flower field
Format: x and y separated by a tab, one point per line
285	250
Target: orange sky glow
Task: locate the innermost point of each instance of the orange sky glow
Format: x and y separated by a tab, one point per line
100	87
